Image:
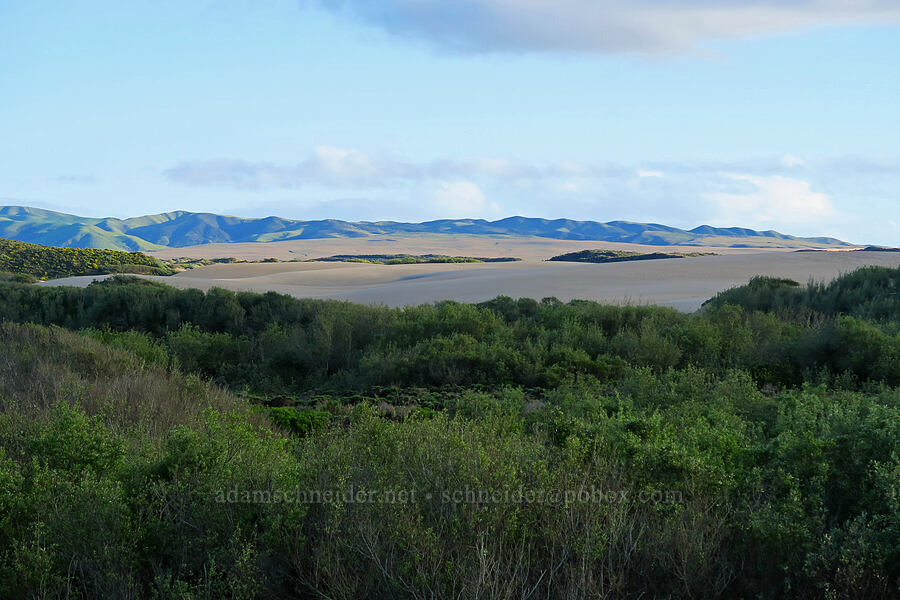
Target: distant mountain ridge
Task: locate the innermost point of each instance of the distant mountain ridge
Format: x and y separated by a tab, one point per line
181	228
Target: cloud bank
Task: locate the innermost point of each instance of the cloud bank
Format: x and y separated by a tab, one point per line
603	26
784	192
772	200
337	167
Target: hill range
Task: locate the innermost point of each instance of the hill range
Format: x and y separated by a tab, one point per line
180	229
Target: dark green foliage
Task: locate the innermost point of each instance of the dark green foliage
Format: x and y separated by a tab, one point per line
155	520
758	294
299	422
868	293
273	343
45	262
608	256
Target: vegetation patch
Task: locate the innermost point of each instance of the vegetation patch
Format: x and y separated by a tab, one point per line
185	263
300	422
609	256
409	259
878	249
18	278
47	262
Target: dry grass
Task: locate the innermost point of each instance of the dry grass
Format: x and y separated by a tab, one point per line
41	367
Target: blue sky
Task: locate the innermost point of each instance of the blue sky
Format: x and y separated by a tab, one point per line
733	113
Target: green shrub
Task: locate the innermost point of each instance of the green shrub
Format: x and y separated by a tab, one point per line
18	278
300	422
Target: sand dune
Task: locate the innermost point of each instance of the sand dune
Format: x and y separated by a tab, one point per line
493	246
680	283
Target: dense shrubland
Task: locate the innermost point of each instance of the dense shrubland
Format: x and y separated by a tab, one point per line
271	343
48	262
747	451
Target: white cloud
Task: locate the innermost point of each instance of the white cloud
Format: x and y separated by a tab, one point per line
347	168
461	199
771	200
643	173
343	163
642	26
790	161
326	166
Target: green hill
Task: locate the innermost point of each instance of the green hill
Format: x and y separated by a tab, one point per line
59	229
44	262
179	229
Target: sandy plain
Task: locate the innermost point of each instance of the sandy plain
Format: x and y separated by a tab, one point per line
490	246
680	283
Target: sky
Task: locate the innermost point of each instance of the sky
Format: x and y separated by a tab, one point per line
771	115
